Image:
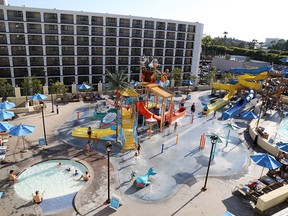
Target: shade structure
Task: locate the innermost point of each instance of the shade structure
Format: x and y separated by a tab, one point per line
21	130
5	126
83	87
283	147
249	115
4	114
265	160
38	96
6	105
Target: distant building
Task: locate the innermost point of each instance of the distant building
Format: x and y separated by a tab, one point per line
269	40
77	47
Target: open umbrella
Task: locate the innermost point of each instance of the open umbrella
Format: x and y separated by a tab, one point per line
21	130
249	115
38	97
265	160
83	87
283	59
6	105
4	126
4	114
283	147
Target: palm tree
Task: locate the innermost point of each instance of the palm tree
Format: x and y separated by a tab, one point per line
117	81
225	37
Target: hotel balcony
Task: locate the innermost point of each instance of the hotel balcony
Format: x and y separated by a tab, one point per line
97	51
67	51
124	22
33	16
34	28
51	40
35	50
82	20
16	27
37	61
96	20
67	19
111	21
50	18
97	31
17	39
35	39
3	39
19	61
66	40
18	50
15	15
97	41
51	29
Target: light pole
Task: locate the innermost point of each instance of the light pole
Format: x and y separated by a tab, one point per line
51	87
108	149
213	139
43	120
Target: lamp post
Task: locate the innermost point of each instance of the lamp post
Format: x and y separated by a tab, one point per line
213	139
108	149
43	120
51	87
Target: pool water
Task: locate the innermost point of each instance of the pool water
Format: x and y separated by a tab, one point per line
49	177
283	130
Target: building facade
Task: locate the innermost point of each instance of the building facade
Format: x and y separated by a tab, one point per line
77	47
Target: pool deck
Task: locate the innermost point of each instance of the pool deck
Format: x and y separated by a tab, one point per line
185	197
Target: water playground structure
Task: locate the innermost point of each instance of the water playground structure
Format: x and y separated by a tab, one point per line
248	79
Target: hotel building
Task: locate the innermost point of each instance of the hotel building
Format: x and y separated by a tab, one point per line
77	47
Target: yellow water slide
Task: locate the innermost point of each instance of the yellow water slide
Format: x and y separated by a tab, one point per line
100	133
127	125
225	100
243	81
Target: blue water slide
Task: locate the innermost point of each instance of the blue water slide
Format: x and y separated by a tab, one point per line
252	71
238	107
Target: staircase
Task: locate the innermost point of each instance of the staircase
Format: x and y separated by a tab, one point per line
127	125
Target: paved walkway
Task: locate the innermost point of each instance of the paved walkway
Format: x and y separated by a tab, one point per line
175	189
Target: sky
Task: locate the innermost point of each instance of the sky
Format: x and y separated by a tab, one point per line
244	20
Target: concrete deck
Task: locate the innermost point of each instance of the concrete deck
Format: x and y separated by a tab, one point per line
175	189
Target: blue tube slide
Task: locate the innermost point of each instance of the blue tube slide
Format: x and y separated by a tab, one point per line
238	107
252	71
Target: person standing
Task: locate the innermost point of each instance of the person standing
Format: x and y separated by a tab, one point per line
182	102
175	126
89	132
138	149
193	108
214	115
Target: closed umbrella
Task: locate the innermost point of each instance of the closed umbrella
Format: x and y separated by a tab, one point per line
5	126
4	114
83	87
6	105
21	130
283	147
249	115
38	96
265	160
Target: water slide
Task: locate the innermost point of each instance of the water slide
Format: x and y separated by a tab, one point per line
127	125
223	101
145	112
253	71
101	133
238	107
243	81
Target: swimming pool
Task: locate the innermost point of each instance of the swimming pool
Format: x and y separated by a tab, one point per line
283	130
49	177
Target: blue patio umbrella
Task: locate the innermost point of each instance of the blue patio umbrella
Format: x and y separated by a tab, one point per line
4	126
83	87
283	147
4	114
21	130
6	105
283	60
187	82
265	160
249	115
38	96
227	213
